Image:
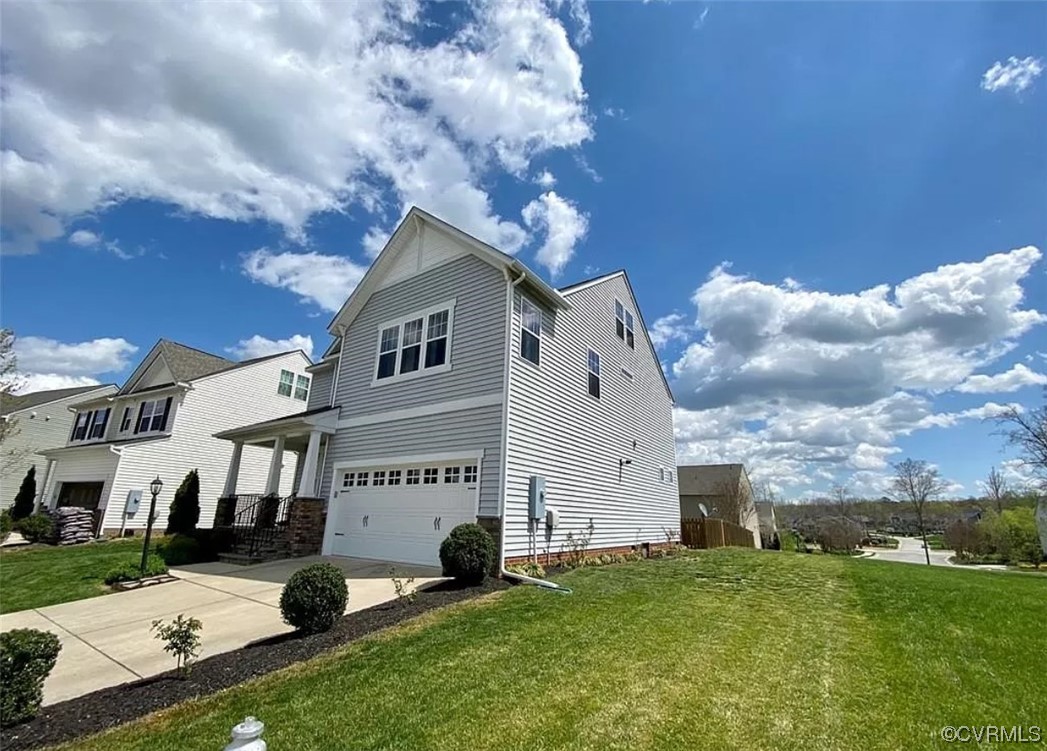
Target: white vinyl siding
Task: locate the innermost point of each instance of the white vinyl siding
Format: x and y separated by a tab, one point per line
576	442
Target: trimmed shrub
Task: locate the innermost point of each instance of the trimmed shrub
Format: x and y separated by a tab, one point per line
25	500
6	525
26	658
314	598
180	550
36	528
213	541
185	508
130	571
468	553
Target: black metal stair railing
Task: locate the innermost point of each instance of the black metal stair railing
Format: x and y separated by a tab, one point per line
257	521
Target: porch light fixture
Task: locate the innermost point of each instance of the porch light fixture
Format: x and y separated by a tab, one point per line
154	487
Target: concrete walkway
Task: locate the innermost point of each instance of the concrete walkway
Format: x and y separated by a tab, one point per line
107	641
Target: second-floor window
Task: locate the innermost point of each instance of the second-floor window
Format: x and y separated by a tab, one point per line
623	324
301	388
417	343
101	419
125	421
594	374
530	331
286	383
81	425
152	415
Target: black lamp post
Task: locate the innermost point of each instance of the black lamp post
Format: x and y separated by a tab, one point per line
154	487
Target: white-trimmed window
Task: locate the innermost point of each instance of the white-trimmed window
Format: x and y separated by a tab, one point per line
394	476
661	474
669	475
379	477
125	421
301	388
530	331
286	383
415	343
414	476
594	374
469	473
431	475
152	416
623	324
101	418
81	425
452	474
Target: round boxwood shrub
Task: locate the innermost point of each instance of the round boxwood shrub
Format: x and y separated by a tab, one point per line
132	571
468	553
314	598
26	659
36	528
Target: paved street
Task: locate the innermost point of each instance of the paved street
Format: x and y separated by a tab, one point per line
107	641
910	550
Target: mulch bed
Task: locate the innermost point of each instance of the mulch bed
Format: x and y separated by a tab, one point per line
116	705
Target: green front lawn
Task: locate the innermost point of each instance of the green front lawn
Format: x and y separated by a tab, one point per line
44	575
721	650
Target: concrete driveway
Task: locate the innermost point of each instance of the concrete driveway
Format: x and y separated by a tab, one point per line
107	641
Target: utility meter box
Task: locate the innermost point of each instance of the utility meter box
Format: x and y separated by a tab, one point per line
536	497
552	518
134	500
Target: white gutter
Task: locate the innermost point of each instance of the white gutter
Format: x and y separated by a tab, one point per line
510	287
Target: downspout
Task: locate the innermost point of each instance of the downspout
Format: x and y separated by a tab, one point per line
123	511
510	287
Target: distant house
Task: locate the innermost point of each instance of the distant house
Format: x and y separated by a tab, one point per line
162	423
721	488
42	420
767	520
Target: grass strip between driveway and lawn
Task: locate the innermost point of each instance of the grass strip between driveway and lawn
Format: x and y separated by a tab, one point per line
715	650
42	575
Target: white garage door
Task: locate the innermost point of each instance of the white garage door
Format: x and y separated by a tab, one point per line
401	512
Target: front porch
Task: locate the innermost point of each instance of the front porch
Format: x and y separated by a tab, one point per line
260	524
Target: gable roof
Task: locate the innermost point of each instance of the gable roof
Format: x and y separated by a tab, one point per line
411	221
188	363
588	283
708	479
16	402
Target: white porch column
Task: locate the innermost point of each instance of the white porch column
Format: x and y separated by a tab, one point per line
234	470
272	485
307	483
41	498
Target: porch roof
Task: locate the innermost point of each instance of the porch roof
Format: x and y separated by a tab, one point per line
323	419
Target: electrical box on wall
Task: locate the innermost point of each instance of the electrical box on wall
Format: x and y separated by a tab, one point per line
134	499
536	497
552	518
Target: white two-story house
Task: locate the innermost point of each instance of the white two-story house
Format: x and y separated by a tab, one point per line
162	423
455	375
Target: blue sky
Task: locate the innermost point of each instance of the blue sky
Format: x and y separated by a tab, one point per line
832	213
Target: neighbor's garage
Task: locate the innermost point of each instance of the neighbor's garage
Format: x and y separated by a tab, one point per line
400	512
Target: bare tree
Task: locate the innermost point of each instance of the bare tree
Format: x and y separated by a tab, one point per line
9	380
734	503
841	500
1027	431
996	488
917	482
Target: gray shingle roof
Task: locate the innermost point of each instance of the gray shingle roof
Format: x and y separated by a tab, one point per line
11	403
186	363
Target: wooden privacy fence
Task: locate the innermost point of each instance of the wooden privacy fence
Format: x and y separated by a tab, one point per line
714	533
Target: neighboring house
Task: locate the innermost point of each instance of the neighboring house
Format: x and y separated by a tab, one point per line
162	422
723	489
455	375
767	519
42	420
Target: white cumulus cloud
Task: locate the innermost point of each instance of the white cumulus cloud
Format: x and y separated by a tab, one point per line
280	111
325	280
669	328
260	346
1017	377
545	179
1016	75
85	238
49	364
563	224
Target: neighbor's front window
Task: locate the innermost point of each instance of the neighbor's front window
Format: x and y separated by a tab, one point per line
98	425
286	383
151	416
301	389
80	427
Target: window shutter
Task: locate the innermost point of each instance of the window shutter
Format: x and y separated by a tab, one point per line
105	421
167	411
138	420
